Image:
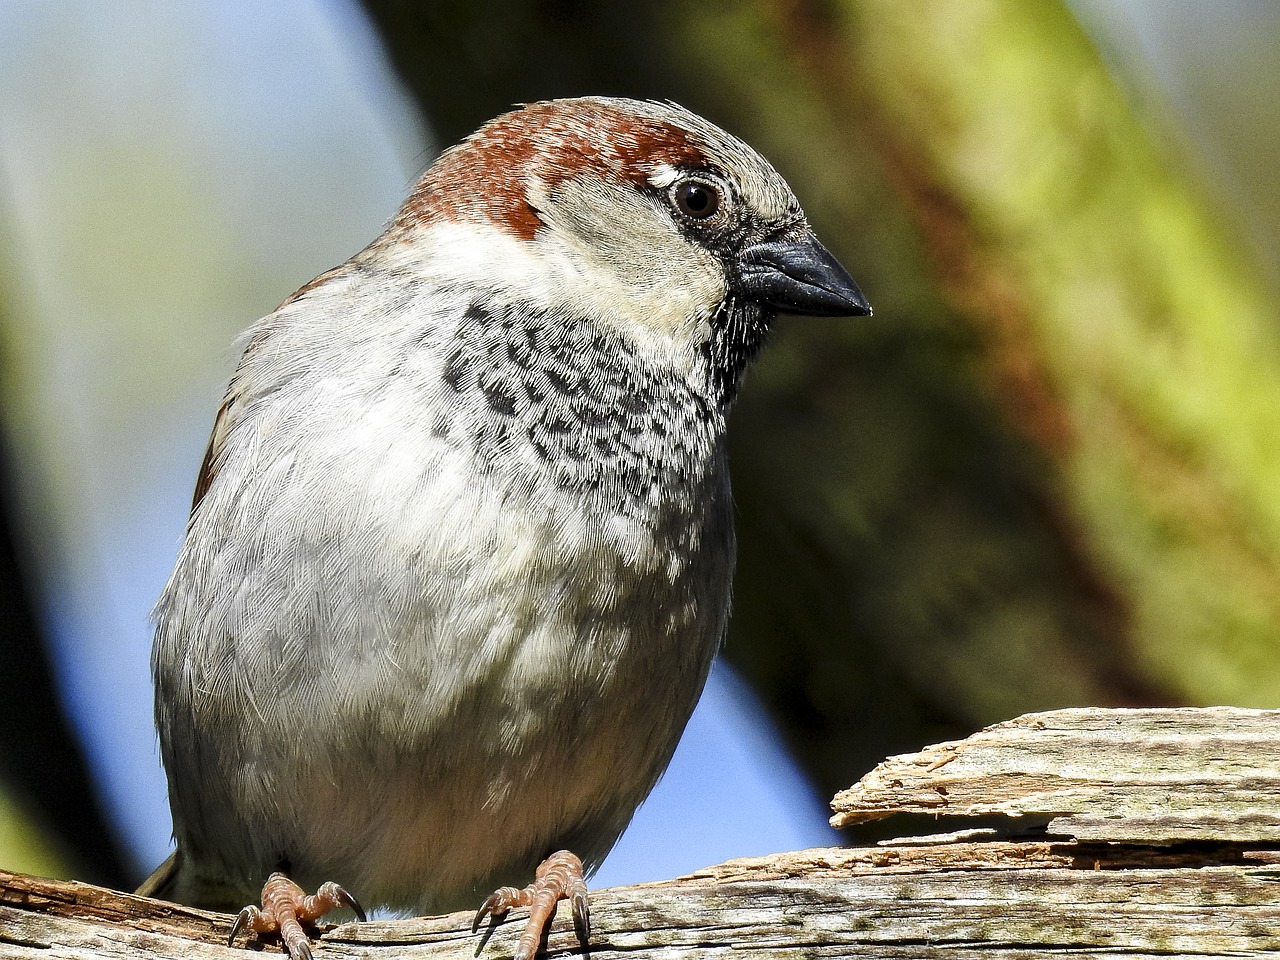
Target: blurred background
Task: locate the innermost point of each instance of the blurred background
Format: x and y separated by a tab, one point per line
1046	473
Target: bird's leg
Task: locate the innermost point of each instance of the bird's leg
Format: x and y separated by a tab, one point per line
285	908
559	877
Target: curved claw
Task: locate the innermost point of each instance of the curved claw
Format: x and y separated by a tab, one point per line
480	915
581	914
244	917
495	905
344	898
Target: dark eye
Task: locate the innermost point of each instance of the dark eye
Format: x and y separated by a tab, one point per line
696	199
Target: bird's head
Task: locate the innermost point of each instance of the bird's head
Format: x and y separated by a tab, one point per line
640	215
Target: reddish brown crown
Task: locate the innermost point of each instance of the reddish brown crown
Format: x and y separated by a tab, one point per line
485	177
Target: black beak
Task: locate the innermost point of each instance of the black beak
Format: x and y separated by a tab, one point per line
800	276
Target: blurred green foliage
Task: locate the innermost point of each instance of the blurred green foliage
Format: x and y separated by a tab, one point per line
23	847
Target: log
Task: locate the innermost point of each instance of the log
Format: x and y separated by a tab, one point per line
1129	776
1062	875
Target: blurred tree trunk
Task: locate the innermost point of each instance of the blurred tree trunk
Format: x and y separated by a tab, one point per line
1045	473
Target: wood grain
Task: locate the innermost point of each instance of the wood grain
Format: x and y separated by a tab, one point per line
1135	776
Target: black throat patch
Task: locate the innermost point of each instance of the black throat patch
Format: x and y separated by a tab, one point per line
556	397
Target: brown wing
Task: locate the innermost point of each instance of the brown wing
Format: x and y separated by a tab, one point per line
212	453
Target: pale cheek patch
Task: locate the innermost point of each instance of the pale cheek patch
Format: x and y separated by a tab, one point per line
619	252
626	267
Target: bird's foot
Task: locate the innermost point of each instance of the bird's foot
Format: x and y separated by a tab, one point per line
285	908
559	877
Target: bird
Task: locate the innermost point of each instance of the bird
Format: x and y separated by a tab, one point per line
461	547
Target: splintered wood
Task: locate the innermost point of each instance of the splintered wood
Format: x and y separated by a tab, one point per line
1117	776
1155	835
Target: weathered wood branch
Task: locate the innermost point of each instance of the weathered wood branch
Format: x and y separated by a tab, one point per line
1128	776
1111	888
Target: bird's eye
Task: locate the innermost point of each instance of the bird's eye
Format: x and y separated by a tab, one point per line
696	199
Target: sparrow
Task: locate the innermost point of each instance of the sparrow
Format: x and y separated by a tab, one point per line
461	546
